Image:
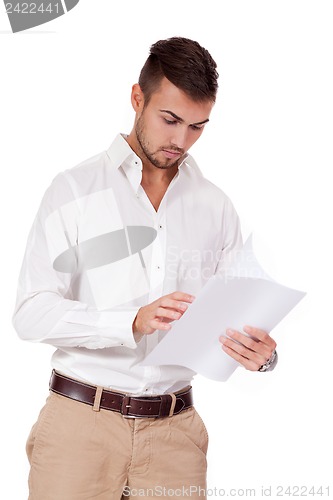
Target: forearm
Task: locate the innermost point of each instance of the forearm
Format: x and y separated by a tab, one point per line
49	318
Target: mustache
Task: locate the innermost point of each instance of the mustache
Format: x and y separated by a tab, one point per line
173	149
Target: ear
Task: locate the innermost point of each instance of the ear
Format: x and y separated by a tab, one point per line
137	98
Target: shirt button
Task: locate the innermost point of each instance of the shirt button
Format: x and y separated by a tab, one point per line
160	227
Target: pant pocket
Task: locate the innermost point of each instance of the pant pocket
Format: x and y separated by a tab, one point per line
44	418
203	428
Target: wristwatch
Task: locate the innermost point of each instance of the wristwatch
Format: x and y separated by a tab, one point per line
270	363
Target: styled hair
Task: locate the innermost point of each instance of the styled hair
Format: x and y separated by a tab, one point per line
184	63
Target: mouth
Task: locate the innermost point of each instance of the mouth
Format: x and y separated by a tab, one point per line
171	154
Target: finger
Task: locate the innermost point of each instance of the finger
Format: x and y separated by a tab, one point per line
182	296
243	352
247	363
251	343
159	324
173	304
171	314
261	335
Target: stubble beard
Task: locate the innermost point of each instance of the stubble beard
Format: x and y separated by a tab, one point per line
151	157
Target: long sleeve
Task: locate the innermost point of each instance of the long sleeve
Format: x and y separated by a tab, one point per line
46	310
231	238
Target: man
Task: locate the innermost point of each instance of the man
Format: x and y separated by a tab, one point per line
118	252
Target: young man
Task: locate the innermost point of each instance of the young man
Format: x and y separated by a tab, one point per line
118	252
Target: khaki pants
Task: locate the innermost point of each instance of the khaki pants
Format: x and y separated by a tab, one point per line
76	453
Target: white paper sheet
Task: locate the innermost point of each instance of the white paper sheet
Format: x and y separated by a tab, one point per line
246	296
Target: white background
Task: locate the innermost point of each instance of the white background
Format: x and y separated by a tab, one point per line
65	89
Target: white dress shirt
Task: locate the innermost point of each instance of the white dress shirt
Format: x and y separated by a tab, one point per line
98	251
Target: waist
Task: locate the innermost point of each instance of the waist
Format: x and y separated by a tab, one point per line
119	371
164	405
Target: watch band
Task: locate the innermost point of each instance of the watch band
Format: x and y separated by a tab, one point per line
270	363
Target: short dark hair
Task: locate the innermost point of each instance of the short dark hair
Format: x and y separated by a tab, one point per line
184	63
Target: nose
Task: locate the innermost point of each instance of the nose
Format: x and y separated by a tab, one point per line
179	137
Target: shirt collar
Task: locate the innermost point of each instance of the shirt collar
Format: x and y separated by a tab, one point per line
120	151
121	155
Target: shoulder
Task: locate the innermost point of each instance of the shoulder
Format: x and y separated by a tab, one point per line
86	174
78	180
204	188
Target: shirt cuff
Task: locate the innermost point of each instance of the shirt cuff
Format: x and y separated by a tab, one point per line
119	325
114	327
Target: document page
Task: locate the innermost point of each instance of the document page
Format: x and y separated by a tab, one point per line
245	295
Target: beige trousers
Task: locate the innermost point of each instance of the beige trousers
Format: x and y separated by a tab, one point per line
77	453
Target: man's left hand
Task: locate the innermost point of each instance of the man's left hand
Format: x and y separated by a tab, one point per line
252	352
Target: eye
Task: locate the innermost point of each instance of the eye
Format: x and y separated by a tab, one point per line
196	127
170	122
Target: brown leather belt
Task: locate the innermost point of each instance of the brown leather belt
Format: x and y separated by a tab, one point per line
132	406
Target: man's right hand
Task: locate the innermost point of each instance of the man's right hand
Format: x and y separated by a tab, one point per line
159	314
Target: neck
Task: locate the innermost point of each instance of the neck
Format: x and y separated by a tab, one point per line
151	175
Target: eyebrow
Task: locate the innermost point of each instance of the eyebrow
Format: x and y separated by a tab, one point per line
181	119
